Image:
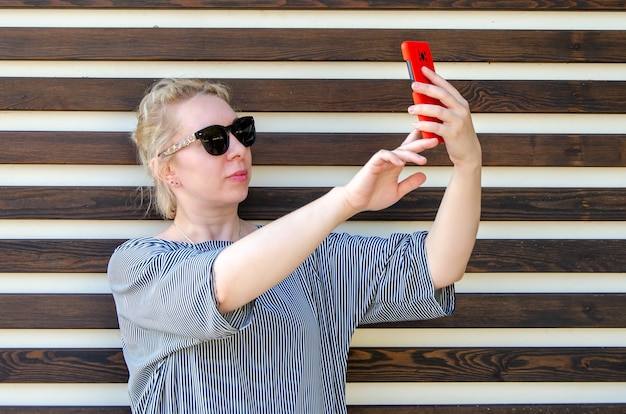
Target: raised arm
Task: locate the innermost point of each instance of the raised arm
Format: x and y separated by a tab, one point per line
452	236
262	259
249	267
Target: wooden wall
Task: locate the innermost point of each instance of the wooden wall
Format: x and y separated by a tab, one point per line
540	325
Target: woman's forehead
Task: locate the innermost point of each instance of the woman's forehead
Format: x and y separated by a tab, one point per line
203	110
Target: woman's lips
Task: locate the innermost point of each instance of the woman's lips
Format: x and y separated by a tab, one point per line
241	175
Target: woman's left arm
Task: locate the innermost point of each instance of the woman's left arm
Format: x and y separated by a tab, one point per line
452	236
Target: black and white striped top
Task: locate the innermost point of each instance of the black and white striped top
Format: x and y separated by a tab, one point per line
285	352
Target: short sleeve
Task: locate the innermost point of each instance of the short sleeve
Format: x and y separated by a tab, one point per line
165	287
375	280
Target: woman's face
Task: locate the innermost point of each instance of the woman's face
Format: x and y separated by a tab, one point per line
208	181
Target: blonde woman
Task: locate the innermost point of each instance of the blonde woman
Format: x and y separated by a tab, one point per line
220	315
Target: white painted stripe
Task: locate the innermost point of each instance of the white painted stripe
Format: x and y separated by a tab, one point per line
315	176
73	175
543	177
325	122
60	338
96	283
542	283
448	393
363	337
497	337
423	393
368	19
63	394
313	70
123	229
78	283
502	229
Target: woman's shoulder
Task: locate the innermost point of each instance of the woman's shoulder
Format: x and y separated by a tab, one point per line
148	242
157	244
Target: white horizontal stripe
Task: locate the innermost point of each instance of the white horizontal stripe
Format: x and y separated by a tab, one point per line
96	283
448	393
63	394
375	19
443	393
325	122
79	229
565	177
479	337
73	175
123	229
363	337
60	338
81	283
315	176
542	283
313	70
503	229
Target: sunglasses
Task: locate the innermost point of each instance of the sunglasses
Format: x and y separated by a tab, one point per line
216	138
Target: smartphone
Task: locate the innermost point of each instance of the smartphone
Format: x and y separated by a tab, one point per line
416	55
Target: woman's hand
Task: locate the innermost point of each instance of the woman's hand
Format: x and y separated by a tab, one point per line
376	186
456	128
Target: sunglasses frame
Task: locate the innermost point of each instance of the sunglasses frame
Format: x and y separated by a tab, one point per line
197	136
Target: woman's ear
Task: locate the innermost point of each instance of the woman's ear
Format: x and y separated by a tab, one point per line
163	173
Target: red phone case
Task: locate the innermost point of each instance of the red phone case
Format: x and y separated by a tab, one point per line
416	55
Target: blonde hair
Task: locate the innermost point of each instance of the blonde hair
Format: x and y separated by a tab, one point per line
156	124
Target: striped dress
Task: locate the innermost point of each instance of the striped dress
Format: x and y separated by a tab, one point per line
286	351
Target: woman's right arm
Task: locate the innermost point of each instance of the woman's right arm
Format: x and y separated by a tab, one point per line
254	264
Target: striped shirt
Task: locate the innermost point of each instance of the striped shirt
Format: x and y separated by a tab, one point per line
284	352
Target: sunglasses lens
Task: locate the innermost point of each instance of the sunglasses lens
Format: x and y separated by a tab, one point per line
243	129
214	139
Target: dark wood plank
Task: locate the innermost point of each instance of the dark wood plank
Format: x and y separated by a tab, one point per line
486	364
550	150
307	149
329	4
380	409
65	410
75	256
364	365
58	311
529	311
269	203
490	255
323	95
548	256
67	147
63	366
491	409
97	311
448	45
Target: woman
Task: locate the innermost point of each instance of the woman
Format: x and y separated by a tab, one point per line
219	315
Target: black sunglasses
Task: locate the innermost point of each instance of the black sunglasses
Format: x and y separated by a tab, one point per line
216	138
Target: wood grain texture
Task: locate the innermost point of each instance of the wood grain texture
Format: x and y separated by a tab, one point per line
486	364
489	255
382	409
364	365
323	95
270	203
570	5
270	44
97	311
493	409
324	149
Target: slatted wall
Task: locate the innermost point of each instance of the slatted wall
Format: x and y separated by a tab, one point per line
540	325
